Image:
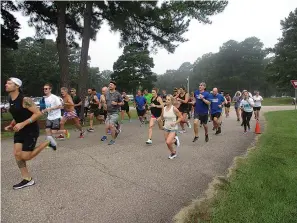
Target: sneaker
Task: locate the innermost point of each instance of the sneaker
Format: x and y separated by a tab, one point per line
206	138
177	142
244	132
182	131
149	142
109	132
82	134
24	183
53	147
172	156
60	137
195	138
90	130
117	132
130	120
218	131
111	142
103	138
67	134
238	120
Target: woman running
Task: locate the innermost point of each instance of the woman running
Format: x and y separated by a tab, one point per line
125	107
246	104
183	99
236	101
156	111
257	99
171	117
227	105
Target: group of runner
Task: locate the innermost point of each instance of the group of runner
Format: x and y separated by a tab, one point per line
167	110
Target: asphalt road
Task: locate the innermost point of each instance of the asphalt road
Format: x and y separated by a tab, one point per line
86	180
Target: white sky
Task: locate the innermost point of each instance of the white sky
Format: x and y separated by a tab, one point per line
241	19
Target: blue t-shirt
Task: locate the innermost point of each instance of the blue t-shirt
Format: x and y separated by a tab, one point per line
216	100
200	106
98	95
140	102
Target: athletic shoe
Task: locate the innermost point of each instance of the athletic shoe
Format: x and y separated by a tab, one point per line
182	131
67	134
206	138
189	125
149	142
117	132
177	142
24	183
60	137
90	130
103	138
195	138
111	142
218	131
53	147
82	134
238	120
244	132
172	156
130	120
109	132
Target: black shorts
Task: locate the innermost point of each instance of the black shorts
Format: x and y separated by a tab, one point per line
140	112
125	108
216	115
95	111
227	105
256	108
183	110
202	117
53	124
27	139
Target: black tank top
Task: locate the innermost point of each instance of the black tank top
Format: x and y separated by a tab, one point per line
20	114
156	111
183	105
126	103
93	105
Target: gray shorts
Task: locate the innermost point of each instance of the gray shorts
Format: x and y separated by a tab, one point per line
53	124
112	119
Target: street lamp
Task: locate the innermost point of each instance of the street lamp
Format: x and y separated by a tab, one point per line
188	84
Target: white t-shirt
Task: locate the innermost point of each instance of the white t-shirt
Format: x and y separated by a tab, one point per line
257	100
53	101
246	104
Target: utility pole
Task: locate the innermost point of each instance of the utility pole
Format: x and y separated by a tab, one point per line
188	84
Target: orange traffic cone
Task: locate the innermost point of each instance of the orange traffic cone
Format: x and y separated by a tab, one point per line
257	129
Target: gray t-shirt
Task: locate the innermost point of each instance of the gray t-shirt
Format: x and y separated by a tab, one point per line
116	97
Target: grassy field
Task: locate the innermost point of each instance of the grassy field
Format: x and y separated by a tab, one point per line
263	187
7	116
276	101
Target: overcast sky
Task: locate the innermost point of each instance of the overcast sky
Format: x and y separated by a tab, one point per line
241	19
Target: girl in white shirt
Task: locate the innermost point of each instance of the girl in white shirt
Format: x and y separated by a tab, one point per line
171	117
246	105
257	100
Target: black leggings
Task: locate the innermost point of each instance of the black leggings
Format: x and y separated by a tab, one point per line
246	117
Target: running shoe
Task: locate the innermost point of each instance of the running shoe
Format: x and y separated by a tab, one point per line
60	137
195	138
182	131
172	156
104	138
177	142
109	132
67	134
90	130
218	131
206	138
189	125
117	132
149	142
24	183
82	134
111	142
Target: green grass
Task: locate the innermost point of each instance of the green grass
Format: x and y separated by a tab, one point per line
7	116
276	101
264	187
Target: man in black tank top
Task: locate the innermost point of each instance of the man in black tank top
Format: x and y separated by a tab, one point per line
25	114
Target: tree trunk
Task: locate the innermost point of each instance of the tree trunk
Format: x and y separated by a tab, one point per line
62	44
83	66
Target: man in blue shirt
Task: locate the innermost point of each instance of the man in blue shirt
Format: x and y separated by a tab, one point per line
140	104
201	110
217	102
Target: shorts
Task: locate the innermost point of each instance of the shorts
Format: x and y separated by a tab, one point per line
256	108
202	117
112	119
103	112
140	112
53	124
125	108
216	115
27	139
95	111
183	110
227	105
70	115
170	130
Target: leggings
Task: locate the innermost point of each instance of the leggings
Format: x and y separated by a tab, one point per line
246	117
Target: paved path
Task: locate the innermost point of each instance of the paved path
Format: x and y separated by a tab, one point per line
86	180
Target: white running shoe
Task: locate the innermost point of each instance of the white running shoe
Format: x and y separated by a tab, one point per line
177	142
149	142
189	124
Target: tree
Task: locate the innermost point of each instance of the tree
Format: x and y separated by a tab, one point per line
132	70
10	26
283	65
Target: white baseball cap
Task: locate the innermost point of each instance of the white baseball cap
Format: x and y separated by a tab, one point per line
16	81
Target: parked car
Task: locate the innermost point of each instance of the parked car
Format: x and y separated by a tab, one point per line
4	106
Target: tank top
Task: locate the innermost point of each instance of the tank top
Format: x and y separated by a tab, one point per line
93	105
126	103
183	106
169	117
156	112
20	114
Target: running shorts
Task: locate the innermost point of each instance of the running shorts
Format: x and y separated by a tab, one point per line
140	112
27	139
70	115
216	115
112	119
53	124
256	108
202	117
